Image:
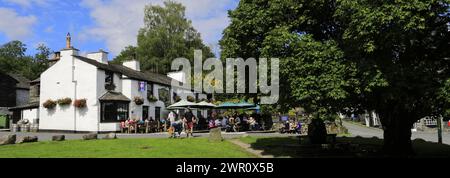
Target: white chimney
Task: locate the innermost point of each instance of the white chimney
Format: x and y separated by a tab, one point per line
133	64
100	56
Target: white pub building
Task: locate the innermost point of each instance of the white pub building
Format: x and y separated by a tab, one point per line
109	91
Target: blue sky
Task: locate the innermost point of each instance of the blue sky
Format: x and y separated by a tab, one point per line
99	24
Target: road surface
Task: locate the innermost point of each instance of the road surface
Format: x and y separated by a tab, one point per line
363	131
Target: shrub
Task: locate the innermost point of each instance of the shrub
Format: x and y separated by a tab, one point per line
80	103
49	104
110	86
64	101
138	100
152	98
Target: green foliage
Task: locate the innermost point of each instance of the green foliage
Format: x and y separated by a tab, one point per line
13	59
349	56
135	148
129	53
167	34
64	101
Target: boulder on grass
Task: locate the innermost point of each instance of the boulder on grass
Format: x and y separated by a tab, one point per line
215	135
8	139
90	137
58	138
28	139
110	136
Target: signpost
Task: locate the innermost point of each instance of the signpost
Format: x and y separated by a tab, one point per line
439	125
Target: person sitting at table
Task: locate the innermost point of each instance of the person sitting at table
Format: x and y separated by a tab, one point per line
252	123
211	123
225	125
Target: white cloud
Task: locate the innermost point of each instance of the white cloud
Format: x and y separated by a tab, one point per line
117	22
14	26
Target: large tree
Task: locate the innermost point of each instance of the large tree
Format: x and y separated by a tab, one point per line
14	60
345	55
167	34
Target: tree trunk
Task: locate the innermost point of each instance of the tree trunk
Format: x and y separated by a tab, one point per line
397	134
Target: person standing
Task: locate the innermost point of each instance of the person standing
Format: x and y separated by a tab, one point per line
189	119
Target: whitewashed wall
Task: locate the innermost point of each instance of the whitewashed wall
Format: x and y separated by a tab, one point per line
57	82
30	115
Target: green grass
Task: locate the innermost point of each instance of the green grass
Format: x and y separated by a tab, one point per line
126	148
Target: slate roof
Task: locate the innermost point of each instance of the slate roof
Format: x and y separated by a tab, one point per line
114	96
38	80
22	82
133	74
26	106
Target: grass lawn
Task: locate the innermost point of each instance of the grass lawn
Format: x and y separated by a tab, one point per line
126	148
290	147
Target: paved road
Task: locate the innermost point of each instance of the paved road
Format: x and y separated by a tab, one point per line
363	131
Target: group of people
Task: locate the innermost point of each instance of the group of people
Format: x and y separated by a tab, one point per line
291	126
234	123
135	125
177	123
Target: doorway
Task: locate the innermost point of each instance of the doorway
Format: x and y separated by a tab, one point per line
145	112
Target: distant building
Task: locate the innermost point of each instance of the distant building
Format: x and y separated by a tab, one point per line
14	90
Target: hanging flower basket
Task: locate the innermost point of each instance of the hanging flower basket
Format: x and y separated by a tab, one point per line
138	100
64	101
191	99
49	104
152	98
80	103
201	100
177	98
110	86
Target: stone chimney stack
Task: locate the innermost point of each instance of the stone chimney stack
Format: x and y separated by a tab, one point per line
100	56
68	41
133	64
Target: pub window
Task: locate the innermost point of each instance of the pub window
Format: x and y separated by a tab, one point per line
149	89
109	77
157	113
114	111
